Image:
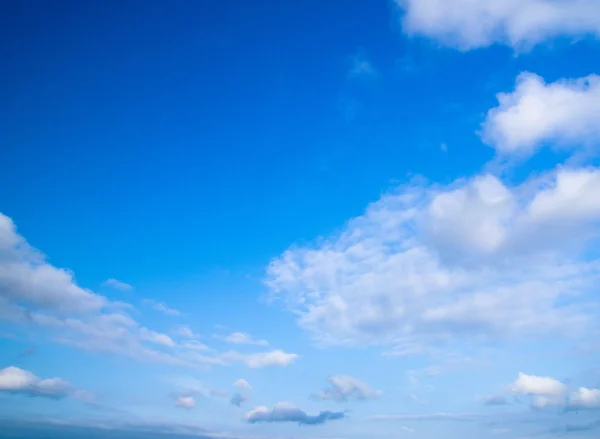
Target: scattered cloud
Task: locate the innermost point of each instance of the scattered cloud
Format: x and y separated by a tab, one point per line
238	399
344	387
241	338
564	112
286	412
16	380
472	261
520	24
117	285
162	307
186	402
185	331
194	345
156	337
242	384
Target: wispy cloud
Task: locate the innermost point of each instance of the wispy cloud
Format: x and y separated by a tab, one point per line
241	338
344	387
117	285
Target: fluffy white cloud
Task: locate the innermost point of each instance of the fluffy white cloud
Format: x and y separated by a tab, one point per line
15	380
344	387
474	260
584	398
186	402
242	384
521	24
241	338
286	412
565	113
27	279
535	385
118	285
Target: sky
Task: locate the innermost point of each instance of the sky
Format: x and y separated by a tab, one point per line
300	220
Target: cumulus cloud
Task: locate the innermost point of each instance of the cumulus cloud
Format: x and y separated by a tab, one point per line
584	398
117	285
475	260
544	391
27	279
16	380
286	412
565	112
241	338
521	24
344	387
242	384
186	402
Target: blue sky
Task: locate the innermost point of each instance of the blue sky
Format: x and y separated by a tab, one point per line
312	220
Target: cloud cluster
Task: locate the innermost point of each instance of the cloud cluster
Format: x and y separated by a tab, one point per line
16	380
286	412
344	387
475	260
521	24
565	113
35	293
547	392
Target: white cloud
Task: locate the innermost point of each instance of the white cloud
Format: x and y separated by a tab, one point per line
475	260
186	402
118	285
521	24
286	412
584	398
34	293
242	384
160	306
344	387
565	113
544	391
185	331
156	337
535	385
262	359
27	279
15	380
241	338
195	345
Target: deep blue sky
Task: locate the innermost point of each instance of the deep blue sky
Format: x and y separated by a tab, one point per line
181	146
